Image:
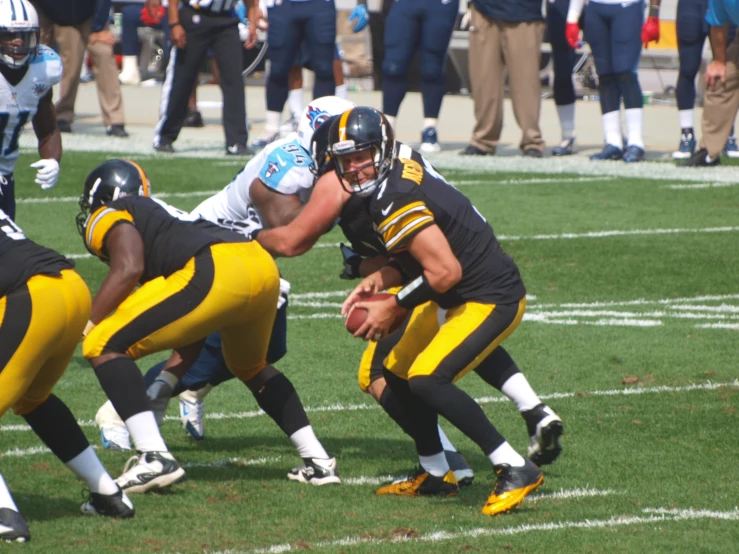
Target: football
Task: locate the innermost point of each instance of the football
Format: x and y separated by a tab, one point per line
357	316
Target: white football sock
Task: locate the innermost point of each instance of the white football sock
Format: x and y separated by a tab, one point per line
307	444
429	122
200	394
446	444
342	91
295	101
686	118
566	115
6	500
435	464
145	433
634	118
272	122
505	454
518	389
612	129
87	466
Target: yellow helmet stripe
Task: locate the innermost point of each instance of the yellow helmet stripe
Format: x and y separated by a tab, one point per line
142	174
342	124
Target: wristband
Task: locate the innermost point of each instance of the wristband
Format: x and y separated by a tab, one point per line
89	327
653	11
415	293
176	24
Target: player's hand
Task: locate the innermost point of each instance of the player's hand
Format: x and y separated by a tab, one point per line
48	172
715	73
572	34
650	30
257	20
247	227
352	261
369	286
361	16
380	317
178	36
104	36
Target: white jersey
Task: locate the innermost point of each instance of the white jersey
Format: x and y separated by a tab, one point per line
19	104
283	166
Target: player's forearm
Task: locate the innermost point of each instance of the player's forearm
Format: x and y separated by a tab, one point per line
719	38
281	243
575	10
115	289
370	265
50	146
173	13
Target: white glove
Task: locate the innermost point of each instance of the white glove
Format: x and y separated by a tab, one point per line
243	32
48	172
464	23
284	291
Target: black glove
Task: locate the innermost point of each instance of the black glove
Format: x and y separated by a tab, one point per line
351	263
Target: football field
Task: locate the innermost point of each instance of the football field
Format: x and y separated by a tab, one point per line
631	335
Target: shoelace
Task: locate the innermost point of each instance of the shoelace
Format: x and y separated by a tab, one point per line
132	461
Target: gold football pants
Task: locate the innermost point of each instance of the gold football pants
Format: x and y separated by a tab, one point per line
42	322
231	288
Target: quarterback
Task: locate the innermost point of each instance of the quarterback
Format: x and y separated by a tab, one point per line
27	73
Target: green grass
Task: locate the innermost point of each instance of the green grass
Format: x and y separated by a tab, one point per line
670	448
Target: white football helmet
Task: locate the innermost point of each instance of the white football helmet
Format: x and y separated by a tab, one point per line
19	33
317	112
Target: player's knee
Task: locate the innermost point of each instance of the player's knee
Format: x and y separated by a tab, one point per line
376	388
255	378
279	70
25	406
432	70
428	387
324	69
394	69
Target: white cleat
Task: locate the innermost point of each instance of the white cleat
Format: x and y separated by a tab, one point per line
150	470
316	471
191	414
113	432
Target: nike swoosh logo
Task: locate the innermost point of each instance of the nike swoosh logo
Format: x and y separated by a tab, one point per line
387	210
283	164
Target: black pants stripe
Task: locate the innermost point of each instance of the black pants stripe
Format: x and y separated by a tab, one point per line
20	308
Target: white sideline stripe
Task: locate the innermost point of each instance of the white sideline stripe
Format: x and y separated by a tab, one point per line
482	400
564	180
718	325
563	494
560	236
54	199
699	186
654	515
235	461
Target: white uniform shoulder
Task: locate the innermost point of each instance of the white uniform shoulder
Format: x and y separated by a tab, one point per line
287	168
46	67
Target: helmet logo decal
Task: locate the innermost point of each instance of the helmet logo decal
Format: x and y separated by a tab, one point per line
316	117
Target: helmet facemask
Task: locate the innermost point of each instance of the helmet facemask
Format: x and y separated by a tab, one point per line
18	46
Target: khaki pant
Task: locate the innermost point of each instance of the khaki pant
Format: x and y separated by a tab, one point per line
72	42
353	45
497	46
721	104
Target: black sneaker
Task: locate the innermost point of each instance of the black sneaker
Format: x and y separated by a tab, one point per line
64	126
239	150
193	119
699	160
316	471
116	131
13	528
422	483
164	147
472	150
545	427
462	471
150	470
513	485
109	505
533	153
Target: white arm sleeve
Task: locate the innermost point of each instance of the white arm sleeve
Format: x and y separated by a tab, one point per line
573	13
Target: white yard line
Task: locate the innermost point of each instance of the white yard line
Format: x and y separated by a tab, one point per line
482	400
652	516
57	199
544	180
699	186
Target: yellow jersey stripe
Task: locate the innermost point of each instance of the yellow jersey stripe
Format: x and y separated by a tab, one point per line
101	223
414	206
407	230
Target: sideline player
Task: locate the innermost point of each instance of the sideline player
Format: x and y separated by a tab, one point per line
28	71
44	306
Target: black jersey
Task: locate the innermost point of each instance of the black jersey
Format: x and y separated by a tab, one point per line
171	237
359	229
21	259
413	197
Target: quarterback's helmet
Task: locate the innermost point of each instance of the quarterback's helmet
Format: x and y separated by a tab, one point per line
109	181
319	147
357	130
19	33
317	112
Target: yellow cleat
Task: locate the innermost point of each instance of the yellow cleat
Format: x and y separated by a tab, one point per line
422	483
513	484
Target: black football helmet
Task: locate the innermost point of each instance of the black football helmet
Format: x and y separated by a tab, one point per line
319	147
109	181
357	130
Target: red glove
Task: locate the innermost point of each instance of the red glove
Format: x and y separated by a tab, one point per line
152	18
572	34
650	30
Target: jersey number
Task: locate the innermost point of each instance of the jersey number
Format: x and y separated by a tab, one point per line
4	118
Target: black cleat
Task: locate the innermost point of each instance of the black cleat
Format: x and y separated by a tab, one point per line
13	528
109	505
64	126
116	131
699	160
316	471
513	485
239	150
164	147
193	119
462	471
472	150
545	427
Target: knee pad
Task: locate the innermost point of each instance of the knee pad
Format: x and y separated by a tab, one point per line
324	69
432	71
394	69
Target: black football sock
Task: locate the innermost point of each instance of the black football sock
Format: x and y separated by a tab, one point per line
279	400
459	408
57	428
389	402
497	368
124	386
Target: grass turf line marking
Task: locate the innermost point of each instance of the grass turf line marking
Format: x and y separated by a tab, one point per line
652	515
543	180
699	186
54	199
708	386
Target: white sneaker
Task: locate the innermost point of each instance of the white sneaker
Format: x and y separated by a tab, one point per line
130	74
150	470
113	432
316	471
13	528
191	414
116	505
430	140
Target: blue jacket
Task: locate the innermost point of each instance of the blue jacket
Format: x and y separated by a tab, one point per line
74	12
513	11
721	12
